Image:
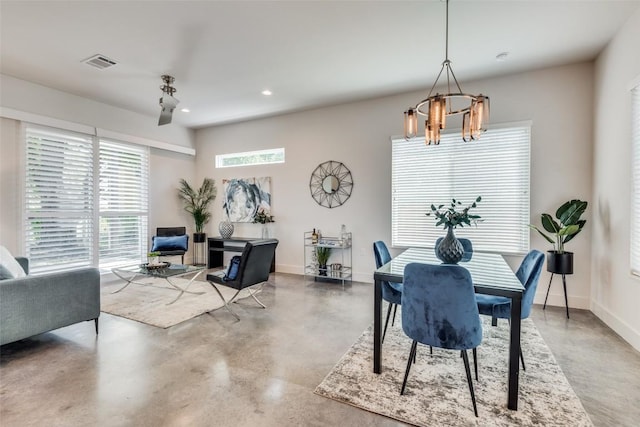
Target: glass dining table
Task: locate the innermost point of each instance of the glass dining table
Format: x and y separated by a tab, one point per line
490	274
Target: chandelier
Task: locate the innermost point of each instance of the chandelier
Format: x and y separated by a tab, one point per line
436	108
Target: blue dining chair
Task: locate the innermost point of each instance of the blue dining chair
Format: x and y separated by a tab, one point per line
439	309
500	307
391	292
466	245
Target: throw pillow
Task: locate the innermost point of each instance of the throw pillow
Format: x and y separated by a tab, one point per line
9	267
234	267
170	243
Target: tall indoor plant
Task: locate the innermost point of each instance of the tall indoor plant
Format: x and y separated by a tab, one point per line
562	231
197	202
450	250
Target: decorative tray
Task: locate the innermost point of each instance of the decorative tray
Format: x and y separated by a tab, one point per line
158	266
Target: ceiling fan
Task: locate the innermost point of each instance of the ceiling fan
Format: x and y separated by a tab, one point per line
167	101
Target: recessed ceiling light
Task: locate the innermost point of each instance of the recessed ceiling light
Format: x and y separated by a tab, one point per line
185	110
501	57
267	92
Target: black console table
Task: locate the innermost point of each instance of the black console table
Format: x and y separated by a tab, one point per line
217	246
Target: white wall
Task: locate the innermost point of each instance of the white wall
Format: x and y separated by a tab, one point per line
166	167
558	101
615	292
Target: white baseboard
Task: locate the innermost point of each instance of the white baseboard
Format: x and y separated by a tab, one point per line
557	300
621	327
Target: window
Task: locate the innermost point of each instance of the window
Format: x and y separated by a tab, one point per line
85	201
124	184
496	167
58	200
635	171
248	158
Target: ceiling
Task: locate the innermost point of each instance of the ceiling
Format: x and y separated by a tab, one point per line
308	53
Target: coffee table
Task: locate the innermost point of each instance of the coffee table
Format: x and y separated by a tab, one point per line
132	272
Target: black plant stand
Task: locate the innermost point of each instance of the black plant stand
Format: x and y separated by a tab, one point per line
559	263
564	285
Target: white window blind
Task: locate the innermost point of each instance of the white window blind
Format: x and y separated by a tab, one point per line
496	167
635	170
124	186
58	214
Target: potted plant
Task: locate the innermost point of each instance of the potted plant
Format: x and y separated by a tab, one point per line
322	254
197	204
566	228
450	250
263	217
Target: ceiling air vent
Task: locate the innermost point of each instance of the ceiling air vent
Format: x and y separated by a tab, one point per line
100	61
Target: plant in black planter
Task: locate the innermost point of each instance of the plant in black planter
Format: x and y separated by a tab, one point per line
450	250
566	228
197	204
322	254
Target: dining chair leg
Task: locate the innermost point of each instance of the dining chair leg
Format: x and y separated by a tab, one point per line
395	308
475	362
415	355
465	358
494	321
412	355
386	323
522	360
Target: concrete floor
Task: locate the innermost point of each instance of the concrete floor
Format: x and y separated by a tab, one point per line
262	370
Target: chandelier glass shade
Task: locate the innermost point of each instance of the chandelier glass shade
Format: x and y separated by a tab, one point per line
436	108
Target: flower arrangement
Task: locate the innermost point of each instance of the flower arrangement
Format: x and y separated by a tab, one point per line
263	217
451	217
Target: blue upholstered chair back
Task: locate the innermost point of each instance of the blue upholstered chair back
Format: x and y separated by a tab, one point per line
391	292
466	245
529	273
439	306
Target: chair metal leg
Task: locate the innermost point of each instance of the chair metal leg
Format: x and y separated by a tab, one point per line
224	301
395	308
465	358
386	323
252	294
96	322
548	288
475	362
412	356
494	321
522	359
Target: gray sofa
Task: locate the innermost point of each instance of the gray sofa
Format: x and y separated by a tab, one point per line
35	304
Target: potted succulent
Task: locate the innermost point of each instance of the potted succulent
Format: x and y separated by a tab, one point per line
562	231
197	204
322	254
450	250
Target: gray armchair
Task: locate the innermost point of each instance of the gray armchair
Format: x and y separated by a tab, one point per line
32	305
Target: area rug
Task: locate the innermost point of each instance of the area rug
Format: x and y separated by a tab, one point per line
437	392
148	303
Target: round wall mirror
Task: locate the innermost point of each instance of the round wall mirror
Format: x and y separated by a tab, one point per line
331	184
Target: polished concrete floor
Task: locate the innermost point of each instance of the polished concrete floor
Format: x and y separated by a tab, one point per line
261	370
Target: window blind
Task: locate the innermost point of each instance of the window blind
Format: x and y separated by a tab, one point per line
58	214
635	171
496	167
124	188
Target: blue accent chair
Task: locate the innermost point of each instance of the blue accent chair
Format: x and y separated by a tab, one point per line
500	307
439	309
391	292
466	245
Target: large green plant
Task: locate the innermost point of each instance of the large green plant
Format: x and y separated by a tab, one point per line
568	225
197	202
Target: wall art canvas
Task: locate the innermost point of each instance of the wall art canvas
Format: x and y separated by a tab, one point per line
243	197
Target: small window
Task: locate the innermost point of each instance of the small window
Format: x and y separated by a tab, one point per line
249	158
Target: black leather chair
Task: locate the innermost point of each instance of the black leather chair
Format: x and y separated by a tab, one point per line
254	268
159	245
